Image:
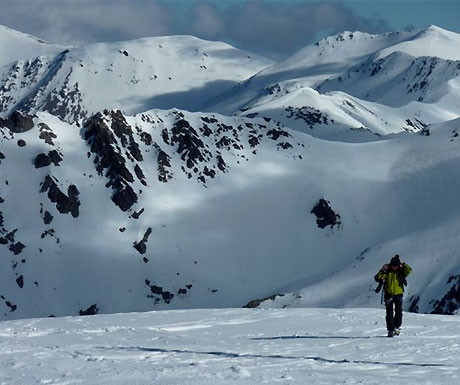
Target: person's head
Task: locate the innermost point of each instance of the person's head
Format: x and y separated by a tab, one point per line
395	263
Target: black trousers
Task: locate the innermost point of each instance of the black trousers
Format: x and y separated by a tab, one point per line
393	304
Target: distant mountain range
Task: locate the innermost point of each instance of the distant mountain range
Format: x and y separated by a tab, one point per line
173	172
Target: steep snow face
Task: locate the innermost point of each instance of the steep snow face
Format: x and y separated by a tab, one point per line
231	346
399	79
143	212
15	45
162	72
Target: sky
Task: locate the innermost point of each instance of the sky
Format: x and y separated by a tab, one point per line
272	28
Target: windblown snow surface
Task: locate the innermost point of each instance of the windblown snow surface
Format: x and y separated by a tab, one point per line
231	346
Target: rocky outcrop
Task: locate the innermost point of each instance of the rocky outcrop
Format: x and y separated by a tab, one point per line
43	160
158	293
325	215
92	310
450	303
164	167
189	145
65	204
107	143
141	246
18	122
46	134
257	302
311	116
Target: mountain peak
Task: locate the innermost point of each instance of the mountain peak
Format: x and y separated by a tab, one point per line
9	33
435	29
16	45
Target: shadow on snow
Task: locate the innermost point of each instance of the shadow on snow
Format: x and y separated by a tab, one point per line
274	356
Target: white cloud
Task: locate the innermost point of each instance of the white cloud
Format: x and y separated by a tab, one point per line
272	28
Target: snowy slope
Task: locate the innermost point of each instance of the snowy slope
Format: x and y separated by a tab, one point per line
134	213
430	41
15	45
388	83
313	64
160	72
231	346
400	79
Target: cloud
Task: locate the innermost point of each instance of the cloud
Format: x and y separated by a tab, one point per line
88	21
206	21
272	28
280	28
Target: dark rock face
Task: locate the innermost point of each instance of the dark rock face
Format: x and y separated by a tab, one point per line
325	215
158	293
106	143
47	218
17	248
92	310
309	115
8	238
284	145
43	160
190	146
140	174
450	303
417	126
124	196
137	214
257	302
164	164
20	281
201	149
11	305
413	307
46	134
55	157
64	203
18	122
141	246
275	134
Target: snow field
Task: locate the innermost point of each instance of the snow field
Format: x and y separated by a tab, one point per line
231	346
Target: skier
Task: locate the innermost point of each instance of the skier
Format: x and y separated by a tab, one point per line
393	278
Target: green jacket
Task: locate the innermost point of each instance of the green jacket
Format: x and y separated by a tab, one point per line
394	279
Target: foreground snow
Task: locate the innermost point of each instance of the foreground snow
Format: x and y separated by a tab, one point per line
291	346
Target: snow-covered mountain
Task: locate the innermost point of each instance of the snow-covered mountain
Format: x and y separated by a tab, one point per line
171	209
160	72
107	209
15	45
381	84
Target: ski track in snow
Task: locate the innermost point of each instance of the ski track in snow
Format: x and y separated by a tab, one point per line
290	346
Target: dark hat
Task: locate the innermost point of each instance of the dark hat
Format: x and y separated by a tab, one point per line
395	261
